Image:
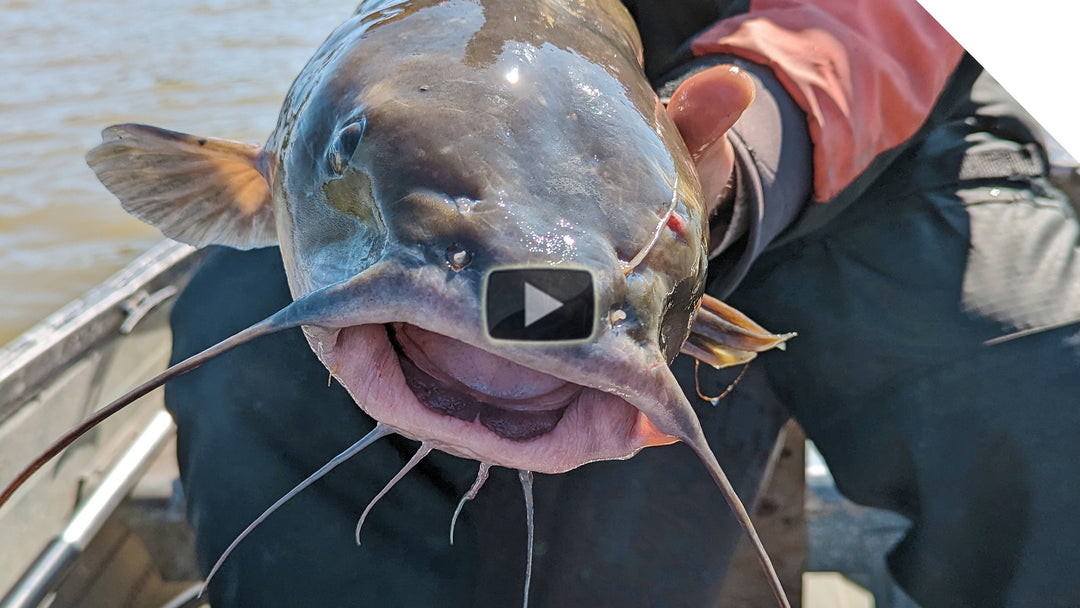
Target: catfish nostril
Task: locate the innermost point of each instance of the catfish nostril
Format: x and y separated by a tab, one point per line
464	204
457	258
616	317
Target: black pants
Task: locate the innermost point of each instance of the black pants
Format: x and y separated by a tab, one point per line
937	365
937	369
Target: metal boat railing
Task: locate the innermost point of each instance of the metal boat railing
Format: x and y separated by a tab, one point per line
53	375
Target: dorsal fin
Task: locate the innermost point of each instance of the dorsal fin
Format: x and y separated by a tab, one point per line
197	190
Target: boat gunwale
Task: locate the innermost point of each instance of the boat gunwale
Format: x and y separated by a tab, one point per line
38	355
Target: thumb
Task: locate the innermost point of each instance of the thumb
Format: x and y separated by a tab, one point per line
708	103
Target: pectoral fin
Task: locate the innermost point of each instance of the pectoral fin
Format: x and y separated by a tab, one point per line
197	190
722	336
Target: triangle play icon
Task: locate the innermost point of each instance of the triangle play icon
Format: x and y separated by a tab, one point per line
538	304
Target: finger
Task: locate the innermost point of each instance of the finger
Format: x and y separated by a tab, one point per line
708	103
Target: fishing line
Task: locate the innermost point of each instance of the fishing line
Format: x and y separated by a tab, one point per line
727	391
629	267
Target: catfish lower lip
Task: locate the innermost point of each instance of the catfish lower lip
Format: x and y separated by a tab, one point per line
447	397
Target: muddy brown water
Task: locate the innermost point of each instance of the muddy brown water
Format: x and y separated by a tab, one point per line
68	68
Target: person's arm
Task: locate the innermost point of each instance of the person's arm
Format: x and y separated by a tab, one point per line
839	85
756	176
866	74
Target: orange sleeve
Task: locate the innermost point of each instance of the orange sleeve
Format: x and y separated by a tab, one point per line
866	72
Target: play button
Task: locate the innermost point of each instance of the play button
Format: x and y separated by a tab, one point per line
539	304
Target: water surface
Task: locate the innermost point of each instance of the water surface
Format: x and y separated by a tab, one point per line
68	68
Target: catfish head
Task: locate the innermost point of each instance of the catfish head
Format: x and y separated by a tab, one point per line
410	161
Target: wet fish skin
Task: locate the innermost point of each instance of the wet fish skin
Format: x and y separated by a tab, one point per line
455	156
424	133
500	133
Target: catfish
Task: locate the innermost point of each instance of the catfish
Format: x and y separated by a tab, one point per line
426	147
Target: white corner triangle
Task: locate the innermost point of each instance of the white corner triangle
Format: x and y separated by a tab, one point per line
1033	64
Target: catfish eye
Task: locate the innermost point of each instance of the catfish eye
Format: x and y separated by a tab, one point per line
344	145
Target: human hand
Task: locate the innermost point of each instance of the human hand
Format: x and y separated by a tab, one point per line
703	108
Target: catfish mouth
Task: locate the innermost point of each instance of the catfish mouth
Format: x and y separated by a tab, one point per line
467	401
535	403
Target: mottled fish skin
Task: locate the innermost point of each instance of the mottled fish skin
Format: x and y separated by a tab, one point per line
426	144
517	135
522	135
